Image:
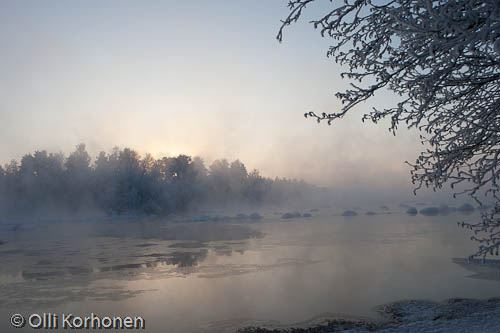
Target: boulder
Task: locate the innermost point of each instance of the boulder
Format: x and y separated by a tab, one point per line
291	215
412	211
429	211
255	216
465	208
288	216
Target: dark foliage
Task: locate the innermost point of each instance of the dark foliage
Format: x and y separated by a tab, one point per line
122	182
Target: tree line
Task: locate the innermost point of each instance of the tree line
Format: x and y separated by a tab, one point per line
122	182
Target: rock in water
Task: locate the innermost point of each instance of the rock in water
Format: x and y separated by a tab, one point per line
255	216
412	211
288	216
465	208
429	211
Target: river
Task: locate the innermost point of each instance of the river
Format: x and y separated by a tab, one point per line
218	276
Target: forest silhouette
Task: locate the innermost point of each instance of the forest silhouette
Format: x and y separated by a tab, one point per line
122	182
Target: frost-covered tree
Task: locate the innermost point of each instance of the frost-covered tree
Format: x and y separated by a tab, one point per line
441	58
40	180
77	177
122	182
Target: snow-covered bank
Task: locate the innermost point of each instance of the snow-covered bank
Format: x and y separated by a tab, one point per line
452	315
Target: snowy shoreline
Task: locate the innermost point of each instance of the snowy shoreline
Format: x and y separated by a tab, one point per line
451	315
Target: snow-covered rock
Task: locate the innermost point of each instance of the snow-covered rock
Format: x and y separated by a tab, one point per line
290	215
287	216
255	216
411	211
465	208
429	211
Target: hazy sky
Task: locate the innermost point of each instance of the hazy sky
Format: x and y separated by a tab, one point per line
203	78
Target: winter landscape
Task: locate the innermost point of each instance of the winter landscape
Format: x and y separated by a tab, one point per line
253	167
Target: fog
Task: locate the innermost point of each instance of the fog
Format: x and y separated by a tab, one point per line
146	141
151	80
121	182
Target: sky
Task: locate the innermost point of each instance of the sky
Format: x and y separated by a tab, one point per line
203	78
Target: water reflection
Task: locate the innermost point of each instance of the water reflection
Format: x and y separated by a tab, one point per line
50	268
298	270
40	283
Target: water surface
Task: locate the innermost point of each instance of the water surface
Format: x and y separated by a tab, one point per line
206	276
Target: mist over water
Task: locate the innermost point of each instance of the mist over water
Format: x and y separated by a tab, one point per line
221	206
218	276
197	248
194	248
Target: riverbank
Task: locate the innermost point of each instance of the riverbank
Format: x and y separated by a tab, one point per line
452	315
